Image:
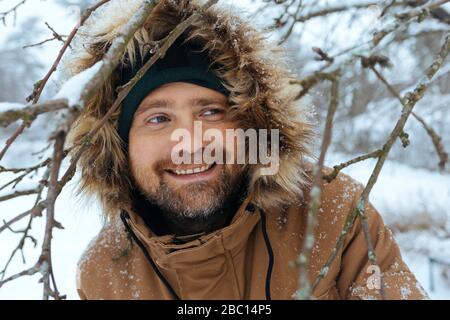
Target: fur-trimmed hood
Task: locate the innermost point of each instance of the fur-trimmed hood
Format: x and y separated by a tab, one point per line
254	70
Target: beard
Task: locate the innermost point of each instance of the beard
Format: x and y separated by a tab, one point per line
198	206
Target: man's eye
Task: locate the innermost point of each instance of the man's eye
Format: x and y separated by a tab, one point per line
157	119
213	112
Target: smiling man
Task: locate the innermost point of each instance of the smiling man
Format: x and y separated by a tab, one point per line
194	198
210	229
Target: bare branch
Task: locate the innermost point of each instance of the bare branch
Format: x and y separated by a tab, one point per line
45	258
39	87
435	138
28	272
337	168
30	113
13	10
310	81
19	194
35	211
420	13
56	36
304	287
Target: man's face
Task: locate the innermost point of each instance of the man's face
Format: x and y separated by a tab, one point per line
174	187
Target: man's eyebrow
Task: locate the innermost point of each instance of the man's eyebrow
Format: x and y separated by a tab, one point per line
206	101
152	104
165	103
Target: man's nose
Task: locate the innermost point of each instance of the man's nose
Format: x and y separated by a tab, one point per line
194	143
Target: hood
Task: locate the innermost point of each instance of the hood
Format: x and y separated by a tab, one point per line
252	68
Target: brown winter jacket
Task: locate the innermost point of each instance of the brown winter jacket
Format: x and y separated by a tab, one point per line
233	263
254	257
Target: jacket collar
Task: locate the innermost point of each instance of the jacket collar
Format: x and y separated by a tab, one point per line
168	252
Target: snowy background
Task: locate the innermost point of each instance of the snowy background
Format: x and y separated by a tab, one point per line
411	194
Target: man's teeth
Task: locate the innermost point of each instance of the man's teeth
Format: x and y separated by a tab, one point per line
195	170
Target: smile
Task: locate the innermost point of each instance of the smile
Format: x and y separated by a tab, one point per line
180	172
194	170
200	173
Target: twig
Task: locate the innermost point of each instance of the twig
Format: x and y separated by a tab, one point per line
420	12
104	72
13	10
39	86
45	258
337	168
117	49
56	36
291	27
310	81
28	272
19	194
304	287
14	181
29	113
435	138
37	210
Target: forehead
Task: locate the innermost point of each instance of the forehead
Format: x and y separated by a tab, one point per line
174	92
175	89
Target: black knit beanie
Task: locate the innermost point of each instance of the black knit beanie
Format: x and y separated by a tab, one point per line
183	62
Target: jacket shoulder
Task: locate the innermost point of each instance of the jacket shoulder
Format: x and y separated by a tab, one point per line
342	185
355	271
104	254
337	197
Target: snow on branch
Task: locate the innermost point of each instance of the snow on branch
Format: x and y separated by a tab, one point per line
72	90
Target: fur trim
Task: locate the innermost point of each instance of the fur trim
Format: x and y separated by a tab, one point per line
253	69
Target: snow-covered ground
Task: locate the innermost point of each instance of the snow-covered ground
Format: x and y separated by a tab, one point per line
415	202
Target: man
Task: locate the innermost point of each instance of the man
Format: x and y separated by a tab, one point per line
212	229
